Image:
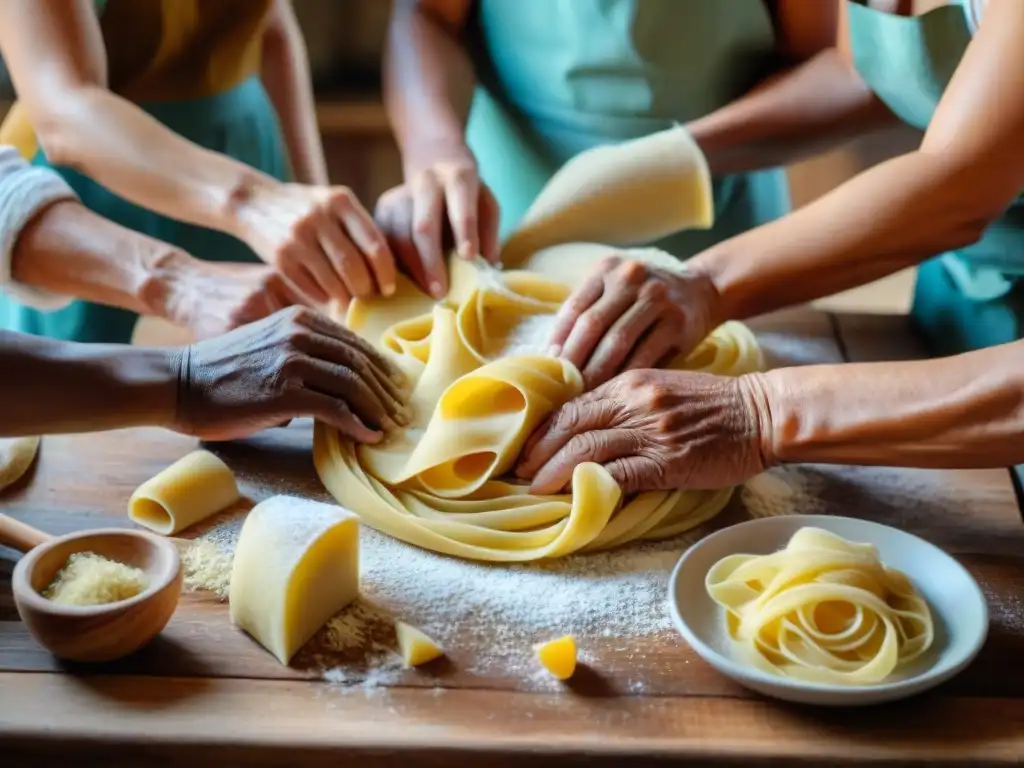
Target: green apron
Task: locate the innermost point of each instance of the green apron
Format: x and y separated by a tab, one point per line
973	297
240	123
560	76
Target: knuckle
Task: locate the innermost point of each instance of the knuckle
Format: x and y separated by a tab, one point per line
632	272
608	263
654	291
341	196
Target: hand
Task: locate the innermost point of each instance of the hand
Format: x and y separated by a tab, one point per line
413	217
629	315
295	363
211	298
654	430
321	240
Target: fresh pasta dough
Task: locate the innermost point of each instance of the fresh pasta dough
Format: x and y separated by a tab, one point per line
482	381
415	646
16	456
296	565
441	483
822	610
193	488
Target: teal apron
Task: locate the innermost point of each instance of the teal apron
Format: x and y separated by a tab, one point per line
240	123
561	76
971	298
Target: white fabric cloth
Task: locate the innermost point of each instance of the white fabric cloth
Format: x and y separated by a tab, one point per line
25	191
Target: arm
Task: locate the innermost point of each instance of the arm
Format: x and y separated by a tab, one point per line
942	196
815	103
54	51
962	411
320	238
62	387
219	389
285	74
428	78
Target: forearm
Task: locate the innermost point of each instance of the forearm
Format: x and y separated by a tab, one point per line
428	83
962	411
121	147
892	216
69	251
286	76
52	387
794	114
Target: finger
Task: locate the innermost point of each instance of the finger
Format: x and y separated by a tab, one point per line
618	343
570	311
490	219
600	446
335	413
386	391
594	324
281	294
660	343
370	241
323	324
636	474
394	216
462	194
304	282
346	260
575	417
343	383
427	213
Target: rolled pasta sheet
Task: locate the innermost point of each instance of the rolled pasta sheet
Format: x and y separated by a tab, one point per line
190	490
822	610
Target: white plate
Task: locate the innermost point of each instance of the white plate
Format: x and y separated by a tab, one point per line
957	603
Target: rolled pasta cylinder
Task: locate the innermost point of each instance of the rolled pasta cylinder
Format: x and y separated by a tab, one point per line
190	490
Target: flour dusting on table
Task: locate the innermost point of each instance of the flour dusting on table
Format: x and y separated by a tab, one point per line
617	594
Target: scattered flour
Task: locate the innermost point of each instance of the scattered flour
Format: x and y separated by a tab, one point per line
782	491
531	336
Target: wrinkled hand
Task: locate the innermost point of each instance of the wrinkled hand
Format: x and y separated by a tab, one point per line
653	430
211	298
296	363
444	199
631	315
321	240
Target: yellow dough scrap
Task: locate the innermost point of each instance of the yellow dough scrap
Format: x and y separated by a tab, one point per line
414	645
16	456
190	490
558	656
296	565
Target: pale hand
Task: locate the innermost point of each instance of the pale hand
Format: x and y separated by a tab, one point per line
296	363
211	298
654	430
631	315
321	240
445	196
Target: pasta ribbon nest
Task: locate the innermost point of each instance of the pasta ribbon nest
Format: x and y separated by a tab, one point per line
480	386
822	610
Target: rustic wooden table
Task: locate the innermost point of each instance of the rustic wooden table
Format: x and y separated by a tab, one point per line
204	693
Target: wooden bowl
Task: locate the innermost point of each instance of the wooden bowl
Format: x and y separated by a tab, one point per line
98	632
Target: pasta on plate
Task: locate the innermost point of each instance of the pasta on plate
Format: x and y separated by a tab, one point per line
823	610
440	483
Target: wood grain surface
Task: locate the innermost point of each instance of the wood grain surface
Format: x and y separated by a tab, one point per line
204	691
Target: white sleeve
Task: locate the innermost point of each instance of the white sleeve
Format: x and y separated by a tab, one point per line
25	190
